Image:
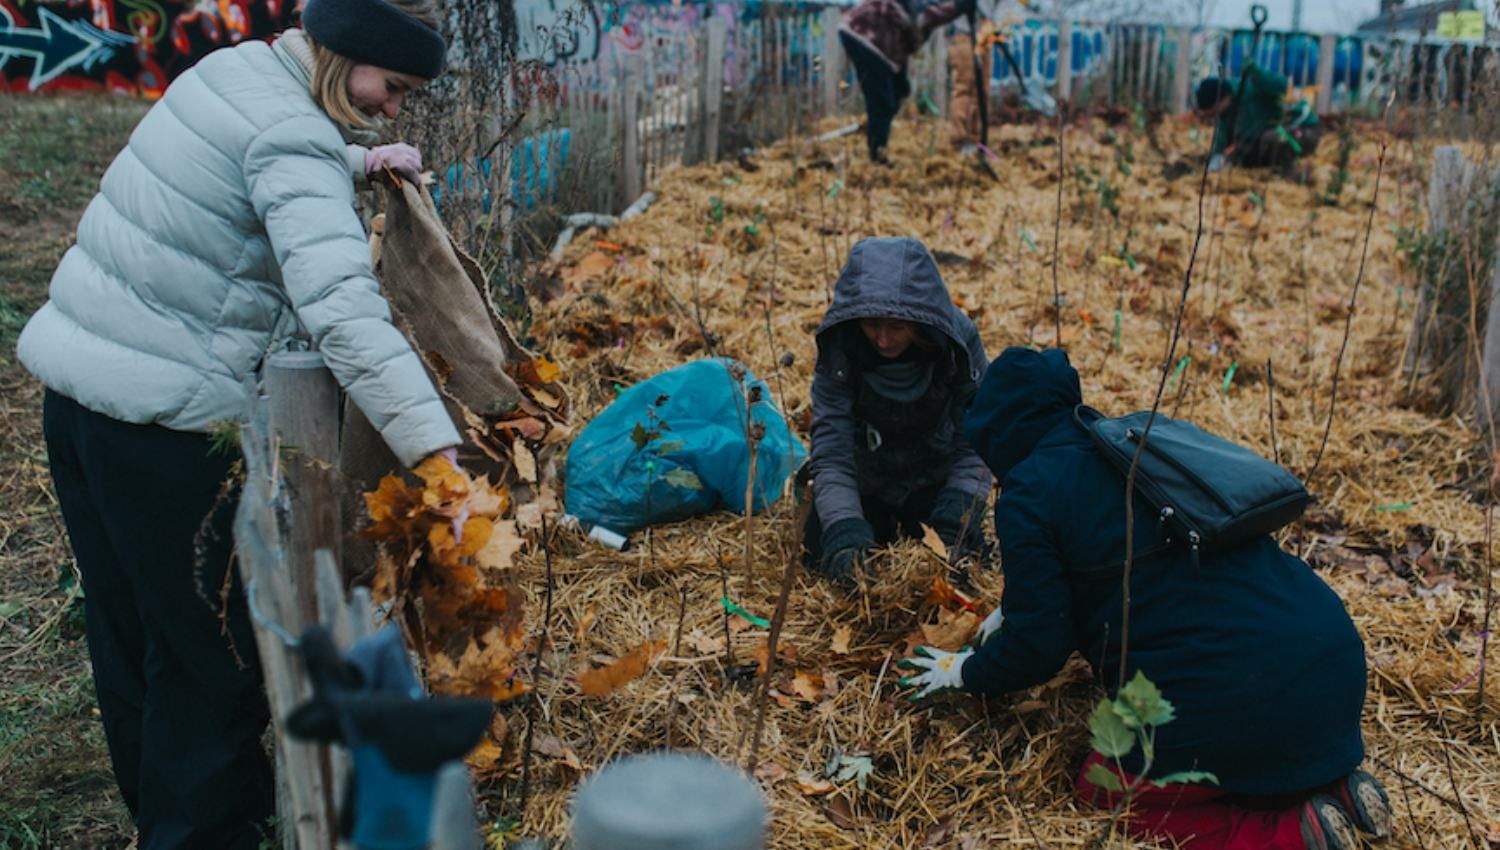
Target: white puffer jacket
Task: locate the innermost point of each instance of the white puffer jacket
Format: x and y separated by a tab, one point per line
225	228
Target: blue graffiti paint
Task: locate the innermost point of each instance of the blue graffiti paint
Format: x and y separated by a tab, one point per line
56	46
1035	45
1296	55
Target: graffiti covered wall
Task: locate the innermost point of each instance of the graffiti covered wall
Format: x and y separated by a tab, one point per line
128	46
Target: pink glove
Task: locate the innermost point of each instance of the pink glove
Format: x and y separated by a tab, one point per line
400	157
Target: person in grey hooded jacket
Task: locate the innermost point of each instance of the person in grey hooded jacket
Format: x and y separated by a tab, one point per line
224	231
897	363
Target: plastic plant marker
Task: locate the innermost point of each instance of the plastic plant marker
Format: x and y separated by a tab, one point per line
1256	199
1229	375
1289	139
1117	331
1177	373
733	608
1026	237
1394	507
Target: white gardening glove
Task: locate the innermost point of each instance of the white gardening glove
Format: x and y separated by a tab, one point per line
400	157
940	671
990	625
1216	163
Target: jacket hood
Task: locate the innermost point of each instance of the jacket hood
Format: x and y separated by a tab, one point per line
895	278
1025	394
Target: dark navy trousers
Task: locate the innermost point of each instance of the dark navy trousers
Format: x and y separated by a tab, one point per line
174	660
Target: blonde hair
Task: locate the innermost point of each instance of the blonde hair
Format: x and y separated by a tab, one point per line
330	79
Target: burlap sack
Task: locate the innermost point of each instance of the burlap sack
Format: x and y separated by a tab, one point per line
439	300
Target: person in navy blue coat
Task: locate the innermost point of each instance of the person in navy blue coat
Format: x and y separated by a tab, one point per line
1257	654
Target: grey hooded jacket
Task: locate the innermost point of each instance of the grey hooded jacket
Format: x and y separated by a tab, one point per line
889	278
224	229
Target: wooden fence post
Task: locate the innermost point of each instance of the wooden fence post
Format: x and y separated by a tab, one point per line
833	60
631	72
1182	74
1065	60
305	788
304	417
1327	45
713	86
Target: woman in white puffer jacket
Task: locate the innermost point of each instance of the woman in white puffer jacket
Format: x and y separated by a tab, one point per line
224	231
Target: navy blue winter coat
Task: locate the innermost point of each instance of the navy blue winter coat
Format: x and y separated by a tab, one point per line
1257	654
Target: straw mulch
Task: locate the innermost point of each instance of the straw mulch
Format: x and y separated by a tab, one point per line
1399	530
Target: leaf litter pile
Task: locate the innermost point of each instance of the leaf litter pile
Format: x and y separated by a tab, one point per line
666	643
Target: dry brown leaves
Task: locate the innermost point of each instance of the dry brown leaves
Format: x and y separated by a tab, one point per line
454	597
611	677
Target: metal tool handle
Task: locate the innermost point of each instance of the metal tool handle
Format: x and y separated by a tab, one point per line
1258	16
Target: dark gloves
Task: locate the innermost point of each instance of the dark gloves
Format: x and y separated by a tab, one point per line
370	700
844	546
958	518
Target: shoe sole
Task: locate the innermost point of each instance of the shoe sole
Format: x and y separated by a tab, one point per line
1325	826
1372	808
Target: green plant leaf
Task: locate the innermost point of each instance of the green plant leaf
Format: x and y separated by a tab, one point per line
669	446
638	436
858	768
1140	704
1104	778
1186	776
1110	736
684	478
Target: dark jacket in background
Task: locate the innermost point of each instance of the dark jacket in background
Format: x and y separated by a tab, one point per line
1257	108
895	29
891	278
1257	654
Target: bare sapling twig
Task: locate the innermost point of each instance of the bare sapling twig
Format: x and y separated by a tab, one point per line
1135	460
1453	783
763	692
1338	361
724	588
1057	233
1473	270
1271	409
682	596
536	676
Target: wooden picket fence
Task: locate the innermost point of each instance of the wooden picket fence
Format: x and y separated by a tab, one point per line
697	82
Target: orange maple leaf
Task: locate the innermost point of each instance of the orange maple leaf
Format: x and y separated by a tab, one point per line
603	680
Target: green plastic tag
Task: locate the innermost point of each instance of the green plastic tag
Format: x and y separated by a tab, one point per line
731	607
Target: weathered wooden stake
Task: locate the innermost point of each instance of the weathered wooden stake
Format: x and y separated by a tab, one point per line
304	415
631	72
1327	45
833	61
1182	72
713	86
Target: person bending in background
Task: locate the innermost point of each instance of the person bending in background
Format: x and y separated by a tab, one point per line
879	37
897	362
224	231
1258	656
1252	124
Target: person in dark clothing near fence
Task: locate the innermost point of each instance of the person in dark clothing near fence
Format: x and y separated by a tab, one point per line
1253	125
897	361
879	37
1258	656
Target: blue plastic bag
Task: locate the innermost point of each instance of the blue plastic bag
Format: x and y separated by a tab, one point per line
680	437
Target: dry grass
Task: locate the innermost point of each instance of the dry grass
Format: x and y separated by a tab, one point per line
966	774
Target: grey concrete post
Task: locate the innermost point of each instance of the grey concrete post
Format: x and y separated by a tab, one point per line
669	801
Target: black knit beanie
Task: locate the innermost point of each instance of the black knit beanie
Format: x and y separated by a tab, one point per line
376	33
1210	92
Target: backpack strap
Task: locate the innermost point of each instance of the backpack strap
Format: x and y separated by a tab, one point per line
1085	417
